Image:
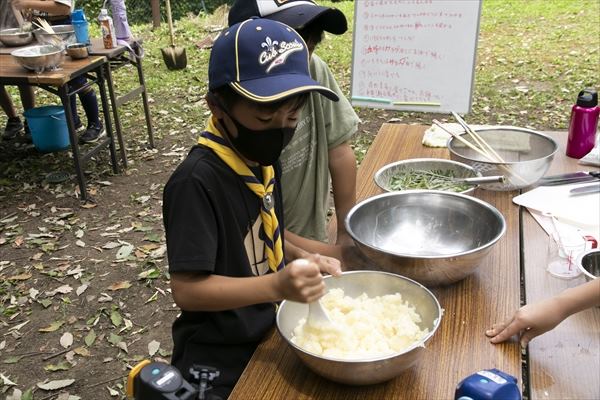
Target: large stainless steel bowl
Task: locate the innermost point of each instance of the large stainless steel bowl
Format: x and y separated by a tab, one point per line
15	37
384	175
528	155
433	237
39	58
62	33
372	370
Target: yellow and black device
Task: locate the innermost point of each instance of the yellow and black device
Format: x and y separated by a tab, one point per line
158	381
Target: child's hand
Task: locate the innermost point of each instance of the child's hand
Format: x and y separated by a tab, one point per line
530	321
301	281
327	265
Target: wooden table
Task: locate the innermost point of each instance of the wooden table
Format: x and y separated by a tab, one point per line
57	82
116	57
561	364
565	362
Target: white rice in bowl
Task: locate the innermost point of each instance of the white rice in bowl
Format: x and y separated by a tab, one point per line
363	327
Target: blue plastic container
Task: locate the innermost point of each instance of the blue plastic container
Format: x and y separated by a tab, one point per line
48	127
81	26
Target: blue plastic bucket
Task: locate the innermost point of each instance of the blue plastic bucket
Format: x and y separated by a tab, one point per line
48	127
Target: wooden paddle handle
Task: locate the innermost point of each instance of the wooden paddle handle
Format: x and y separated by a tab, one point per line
170	21
18	15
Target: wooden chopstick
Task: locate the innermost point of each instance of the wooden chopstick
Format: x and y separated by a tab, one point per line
42	23
480	141
465	142
476	138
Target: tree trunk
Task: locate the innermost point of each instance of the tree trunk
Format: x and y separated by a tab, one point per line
155	4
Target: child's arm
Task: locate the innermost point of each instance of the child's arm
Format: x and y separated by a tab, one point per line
342	167
537	318
51	7
297	282
332	256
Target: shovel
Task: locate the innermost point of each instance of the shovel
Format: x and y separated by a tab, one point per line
174	57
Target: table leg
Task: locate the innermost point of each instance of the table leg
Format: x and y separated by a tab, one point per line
63	93
114	106
107	121
138	65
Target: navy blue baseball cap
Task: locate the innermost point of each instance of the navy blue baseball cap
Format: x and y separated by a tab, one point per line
295	13
263	61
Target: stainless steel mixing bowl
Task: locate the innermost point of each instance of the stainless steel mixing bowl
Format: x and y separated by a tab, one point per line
588	262
433	237
15	37
39	58
385	174
372	370
62	33
528	155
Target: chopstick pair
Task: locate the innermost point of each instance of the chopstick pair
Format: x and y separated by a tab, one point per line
480	146
478	139
46	27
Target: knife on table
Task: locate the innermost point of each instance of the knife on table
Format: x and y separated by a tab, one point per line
587	189
566	179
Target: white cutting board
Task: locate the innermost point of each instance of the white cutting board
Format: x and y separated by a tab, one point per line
582	211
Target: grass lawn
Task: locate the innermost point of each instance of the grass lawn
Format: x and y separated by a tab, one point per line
533	58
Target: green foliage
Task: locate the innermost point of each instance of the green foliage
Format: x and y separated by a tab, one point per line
533	57
140	11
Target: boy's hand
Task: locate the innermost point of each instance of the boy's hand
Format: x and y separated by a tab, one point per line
301	281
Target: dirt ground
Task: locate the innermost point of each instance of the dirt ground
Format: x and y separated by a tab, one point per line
84	286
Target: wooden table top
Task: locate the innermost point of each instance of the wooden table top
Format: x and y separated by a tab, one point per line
565	362
459	347
561	364
12	70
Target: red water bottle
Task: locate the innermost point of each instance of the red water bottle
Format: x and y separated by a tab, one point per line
583	125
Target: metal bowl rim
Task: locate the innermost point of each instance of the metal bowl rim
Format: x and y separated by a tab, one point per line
14	32
77	45
488	206
43	32
580	264
15	53
407	161
506	128
420	343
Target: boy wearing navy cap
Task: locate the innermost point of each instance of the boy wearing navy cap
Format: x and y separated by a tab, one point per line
222	206
320	148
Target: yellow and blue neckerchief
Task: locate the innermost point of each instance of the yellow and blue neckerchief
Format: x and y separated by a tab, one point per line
213	139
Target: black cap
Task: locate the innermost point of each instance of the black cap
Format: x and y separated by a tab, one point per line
588	98
295	13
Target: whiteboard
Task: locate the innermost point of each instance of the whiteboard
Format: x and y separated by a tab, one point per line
415	55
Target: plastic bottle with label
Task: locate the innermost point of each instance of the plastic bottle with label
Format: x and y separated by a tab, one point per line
583	124
108	30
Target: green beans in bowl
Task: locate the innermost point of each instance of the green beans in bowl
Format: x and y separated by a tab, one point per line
425	174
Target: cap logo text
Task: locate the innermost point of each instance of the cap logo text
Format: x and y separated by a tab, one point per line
276	53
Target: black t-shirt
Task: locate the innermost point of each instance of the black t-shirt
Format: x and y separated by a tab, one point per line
212	223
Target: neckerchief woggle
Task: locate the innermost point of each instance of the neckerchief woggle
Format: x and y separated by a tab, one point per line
213	139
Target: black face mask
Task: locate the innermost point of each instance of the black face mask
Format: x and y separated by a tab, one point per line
263	147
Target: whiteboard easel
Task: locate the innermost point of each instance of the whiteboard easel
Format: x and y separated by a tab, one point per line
415	55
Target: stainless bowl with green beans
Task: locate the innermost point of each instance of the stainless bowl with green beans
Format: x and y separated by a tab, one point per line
426	174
